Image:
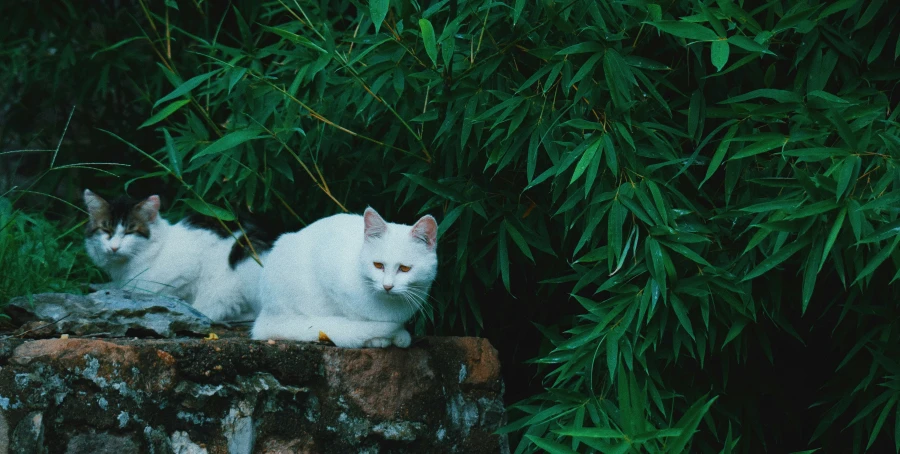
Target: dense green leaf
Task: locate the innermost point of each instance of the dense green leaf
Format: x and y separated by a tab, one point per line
688	423
229	141
719	54
685	30
207	209
595	147
164	113
172	152
429	39
378	9
186	87
775	259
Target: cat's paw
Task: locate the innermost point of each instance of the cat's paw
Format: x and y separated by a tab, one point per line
377	342
402	338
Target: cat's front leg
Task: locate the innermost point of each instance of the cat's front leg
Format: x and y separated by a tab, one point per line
400	338
349	333
377	342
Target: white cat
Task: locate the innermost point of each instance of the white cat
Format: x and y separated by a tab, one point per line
143	252
356	279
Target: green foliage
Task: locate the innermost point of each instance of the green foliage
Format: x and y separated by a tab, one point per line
703	178
35	258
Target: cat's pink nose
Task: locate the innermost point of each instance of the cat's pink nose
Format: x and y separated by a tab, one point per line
114	248
388	288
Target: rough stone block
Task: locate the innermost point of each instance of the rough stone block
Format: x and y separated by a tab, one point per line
234	395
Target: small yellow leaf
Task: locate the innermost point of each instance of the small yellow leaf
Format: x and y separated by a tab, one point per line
212	337
324	337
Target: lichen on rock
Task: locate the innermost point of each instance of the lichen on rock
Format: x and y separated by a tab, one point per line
235	395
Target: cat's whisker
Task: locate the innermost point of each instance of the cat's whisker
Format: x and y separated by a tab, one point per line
408	301
422	293
417	299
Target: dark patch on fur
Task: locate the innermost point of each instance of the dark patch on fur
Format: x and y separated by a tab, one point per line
250	237
213	225
122	210
260	240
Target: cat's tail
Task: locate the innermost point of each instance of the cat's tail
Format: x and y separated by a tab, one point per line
252	244
340	330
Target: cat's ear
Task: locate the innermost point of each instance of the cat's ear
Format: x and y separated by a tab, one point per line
149	208
375	225
96	206
426	231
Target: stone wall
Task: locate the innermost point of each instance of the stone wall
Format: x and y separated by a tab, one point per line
234	395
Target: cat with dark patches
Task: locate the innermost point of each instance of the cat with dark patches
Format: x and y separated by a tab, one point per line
213	267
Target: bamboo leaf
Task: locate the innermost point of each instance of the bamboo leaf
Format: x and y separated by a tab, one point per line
517	10
776	259
612	355
429	40
876	429
686	30
734	331
719	54
689	423
827	97
590	432
551	447
117	45
503	258
832	235
810	271
519	240
719	155
874	262
229	141
186	87
748	44
759	147
378	10
210	210
435	187
782	96
681	313
174	158
164	113
595	147
585	69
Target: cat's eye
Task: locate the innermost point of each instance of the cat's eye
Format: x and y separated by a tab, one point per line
404	268
379	265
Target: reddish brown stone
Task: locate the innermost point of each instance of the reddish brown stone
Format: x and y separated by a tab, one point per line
483	365
102	360
380	382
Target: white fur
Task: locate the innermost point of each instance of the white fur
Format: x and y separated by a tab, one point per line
182	261
323	279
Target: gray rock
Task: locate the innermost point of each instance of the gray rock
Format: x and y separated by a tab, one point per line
107	313
101	443
157	441
29	435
